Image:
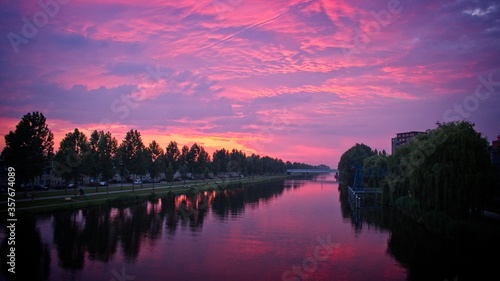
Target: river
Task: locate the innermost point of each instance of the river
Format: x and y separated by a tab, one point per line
297	229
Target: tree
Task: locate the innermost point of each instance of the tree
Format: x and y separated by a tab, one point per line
374	170
220	159
29	147
172	156
156	157
197	159
237	162
72	150
254	164
353	156
203	162
100	159
183	161
449	170
133	155
170	173
191	157
120	161
92	158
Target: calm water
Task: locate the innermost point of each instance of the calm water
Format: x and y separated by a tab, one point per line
293	230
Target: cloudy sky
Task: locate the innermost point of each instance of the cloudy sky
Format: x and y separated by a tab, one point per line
298	80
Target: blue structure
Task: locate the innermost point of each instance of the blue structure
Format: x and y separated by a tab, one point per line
358	177
357	192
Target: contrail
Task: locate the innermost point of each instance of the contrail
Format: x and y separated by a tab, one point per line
229	37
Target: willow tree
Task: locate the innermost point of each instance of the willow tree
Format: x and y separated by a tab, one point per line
374	170
396	182
449	169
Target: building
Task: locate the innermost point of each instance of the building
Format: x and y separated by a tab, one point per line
404	138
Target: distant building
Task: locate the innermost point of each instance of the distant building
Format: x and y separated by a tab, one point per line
404	138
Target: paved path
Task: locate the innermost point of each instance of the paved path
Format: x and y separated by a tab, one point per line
71	192
179	186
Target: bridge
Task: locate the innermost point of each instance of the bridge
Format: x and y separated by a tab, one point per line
310	171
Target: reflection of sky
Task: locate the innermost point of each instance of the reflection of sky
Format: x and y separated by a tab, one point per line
263	242
261	76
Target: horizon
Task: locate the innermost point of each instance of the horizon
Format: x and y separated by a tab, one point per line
302	81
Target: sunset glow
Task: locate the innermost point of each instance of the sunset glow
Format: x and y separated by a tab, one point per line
296	80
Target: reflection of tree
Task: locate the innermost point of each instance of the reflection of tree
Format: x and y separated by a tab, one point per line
138	223
98	231
231	202
370	216
32	257
428	256
130	231
99	234
168	204
68	227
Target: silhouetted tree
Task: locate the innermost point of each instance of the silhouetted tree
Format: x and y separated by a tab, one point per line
29	147
133	154
156	163
72	150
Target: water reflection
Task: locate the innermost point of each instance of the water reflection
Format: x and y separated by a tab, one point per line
97	231
33	258
246	233
427	255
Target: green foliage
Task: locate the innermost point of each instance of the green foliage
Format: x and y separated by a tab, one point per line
172	155
72	151
374	170
354	155
197	159
29	148
133	156
409	206
238	162
99	161
436	221
170	173
446	170
156	160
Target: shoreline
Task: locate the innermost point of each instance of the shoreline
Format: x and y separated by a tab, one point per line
54	201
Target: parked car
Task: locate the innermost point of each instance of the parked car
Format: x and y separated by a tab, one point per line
40	187
137	181
102	183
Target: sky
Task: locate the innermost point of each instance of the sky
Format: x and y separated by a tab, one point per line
299	80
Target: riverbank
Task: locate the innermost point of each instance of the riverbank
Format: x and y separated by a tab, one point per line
60	200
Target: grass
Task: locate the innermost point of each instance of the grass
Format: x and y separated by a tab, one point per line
58	200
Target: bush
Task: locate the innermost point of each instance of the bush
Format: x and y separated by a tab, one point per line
436	221
409	206
461	231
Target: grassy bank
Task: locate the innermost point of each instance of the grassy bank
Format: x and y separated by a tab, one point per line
60	200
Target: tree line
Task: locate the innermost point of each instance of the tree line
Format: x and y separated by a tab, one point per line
100	157
447	170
